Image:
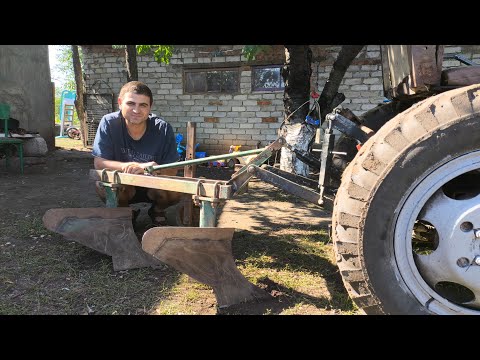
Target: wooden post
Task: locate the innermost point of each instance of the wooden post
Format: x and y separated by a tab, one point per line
189	171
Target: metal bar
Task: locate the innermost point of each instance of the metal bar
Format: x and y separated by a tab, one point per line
297	179
347	126
202	160
304	157
326	157
208	214
460	58
171	183
240	179
111	200
464	60
284	184
326	160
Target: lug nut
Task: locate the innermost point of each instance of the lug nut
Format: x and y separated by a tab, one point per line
463	262
466	226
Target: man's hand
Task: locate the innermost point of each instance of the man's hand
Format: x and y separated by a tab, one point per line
132	168
136	168
126	167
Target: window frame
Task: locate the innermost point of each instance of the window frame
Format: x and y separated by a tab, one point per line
211	69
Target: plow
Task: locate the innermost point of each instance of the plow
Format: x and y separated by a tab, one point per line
203	252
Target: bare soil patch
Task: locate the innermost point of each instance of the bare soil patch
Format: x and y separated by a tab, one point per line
280	244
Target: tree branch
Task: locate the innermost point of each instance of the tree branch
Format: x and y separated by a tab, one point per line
79	104
330	97
131	62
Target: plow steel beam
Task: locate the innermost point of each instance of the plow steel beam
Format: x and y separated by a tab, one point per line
284	184
240	179
202	187
297	179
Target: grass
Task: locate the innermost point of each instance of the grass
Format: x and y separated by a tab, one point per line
53	281
43	273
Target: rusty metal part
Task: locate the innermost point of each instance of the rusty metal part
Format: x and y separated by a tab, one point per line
326	160
297	179
348	127
305	157
208	188
240	179
205	254
177	164
284	184
106	230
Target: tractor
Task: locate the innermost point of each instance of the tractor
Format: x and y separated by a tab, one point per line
405	222
401	182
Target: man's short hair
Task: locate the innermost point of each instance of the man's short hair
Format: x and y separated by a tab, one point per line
136	87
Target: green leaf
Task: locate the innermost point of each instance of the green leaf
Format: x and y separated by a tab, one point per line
251	51
161	53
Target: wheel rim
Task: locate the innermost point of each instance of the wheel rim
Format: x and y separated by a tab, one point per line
444	212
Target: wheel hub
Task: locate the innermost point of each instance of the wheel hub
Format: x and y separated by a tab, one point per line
442	211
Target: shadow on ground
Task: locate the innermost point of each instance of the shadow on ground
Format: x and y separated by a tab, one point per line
42	273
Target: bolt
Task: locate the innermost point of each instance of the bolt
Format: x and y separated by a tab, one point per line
466	226
251	170
463	262
477	233
476	260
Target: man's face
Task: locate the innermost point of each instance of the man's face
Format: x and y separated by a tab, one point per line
135	108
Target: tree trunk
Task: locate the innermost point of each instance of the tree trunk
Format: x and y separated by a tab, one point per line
79	105
296	74
131	62
330	98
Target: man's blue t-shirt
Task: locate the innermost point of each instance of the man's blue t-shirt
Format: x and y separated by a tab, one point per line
113	142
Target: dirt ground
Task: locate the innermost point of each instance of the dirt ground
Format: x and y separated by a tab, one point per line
29	252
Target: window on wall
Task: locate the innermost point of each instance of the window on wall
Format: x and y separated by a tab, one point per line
267	78
201	81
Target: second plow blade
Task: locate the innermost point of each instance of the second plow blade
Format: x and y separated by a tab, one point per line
106	230
205	254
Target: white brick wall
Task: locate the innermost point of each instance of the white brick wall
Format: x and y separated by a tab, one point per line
223	120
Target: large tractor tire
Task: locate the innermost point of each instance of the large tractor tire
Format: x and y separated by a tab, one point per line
406	218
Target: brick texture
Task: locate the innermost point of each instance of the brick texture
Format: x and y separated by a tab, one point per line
247	117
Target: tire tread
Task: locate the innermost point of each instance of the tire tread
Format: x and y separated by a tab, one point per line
366	171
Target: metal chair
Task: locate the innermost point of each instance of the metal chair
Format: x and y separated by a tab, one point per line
7	139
